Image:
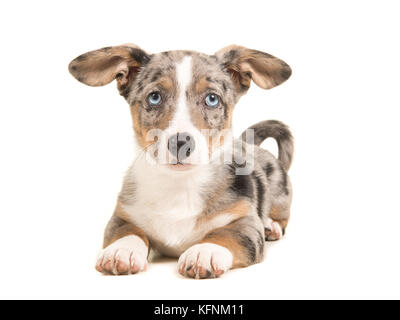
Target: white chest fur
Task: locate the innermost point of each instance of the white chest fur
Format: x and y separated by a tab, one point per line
167	206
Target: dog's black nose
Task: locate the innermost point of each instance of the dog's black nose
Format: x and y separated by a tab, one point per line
181	145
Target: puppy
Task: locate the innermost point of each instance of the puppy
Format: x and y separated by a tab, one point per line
193	192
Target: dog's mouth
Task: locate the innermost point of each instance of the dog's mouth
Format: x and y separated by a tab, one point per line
180	166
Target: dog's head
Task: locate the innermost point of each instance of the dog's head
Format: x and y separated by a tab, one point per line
181	102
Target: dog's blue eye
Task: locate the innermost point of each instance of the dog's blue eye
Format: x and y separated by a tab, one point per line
212	100
154	98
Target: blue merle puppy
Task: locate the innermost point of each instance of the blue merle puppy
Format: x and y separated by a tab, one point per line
193	192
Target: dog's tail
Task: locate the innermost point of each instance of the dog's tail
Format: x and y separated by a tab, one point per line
280	132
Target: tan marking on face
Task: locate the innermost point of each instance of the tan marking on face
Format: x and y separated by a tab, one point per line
141	133
127	229
198	121
167	83
215	142
229	112
201	85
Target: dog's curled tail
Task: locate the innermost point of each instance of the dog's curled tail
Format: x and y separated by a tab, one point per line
280	132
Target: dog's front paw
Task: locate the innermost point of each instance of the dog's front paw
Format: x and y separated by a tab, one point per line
127	255
205	260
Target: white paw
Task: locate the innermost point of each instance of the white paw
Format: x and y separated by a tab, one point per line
127	255
205	260
273	230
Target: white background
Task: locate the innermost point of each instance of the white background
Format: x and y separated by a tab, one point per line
65	146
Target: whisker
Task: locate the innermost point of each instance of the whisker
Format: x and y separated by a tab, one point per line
143	151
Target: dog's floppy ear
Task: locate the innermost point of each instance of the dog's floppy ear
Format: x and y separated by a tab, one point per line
100	67
245	65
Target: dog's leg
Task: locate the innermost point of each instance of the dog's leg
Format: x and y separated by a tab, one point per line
277	219
125	248
239	244
276	224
